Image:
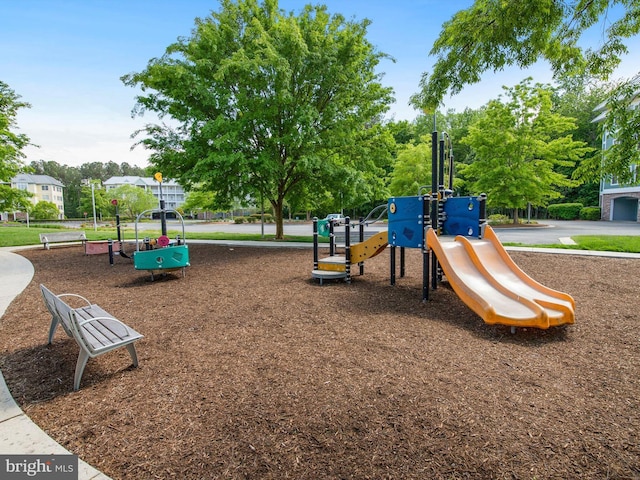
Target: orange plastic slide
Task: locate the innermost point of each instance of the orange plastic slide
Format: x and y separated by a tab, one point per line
484	276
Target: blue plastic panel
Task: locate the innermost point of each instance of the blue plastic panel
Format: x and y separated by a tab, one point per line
462	216
406	227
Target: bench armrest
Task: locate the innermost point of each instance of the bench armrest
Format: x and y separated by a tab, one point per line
74	295
89	320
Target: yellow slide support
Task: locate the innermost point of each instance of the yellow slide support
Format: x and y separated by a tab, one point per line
488	281
371	247
360	252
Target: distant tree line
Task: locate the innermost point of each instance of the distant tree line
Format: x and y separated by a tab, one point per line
75	202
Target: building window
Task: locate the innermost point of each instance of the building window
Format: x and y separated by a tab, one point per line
22	186
45	187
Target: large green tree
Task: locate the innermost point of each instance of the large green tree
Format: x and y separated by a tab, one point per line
623	122
44	210
519	143
494	34
11	143
12	199
577	97
260	102
132	200
97	196
412	169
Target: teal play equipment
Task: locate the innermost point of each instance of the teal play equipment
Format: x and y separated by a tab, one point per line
162	254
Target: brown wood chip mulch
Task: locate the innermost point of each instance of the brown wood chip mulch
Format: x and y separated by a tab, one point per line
250	370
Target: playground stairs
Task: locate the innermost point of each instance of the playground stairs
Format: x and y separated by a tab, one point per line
330	268
335	266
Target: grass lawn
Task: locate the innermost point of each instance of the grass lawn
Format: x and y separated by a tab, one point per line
18	235
12	235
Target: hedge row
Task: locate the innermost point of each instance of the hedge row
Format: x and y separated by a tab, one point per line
590	213
573	211
254	218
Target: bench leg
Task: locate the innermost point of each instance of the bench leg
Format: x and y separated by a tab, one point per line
134	356
83	357
52	328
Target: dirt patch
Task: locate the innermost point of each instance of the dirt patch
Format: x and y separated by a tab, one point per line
249	369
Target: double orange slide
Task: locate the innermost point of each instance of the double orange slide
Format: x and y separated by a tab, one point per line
484	276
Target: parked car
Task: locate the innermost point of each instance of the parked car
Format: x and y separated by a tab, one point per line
335	217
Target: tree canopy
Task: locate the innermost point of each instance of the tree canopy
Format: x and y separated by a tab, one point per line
493	34
132	200
261	103
519	143
11	143
623	122
412	169
44	210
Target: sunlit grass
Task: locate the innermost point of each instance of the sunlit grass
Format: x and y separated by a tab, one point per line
19	235
12	235
601	243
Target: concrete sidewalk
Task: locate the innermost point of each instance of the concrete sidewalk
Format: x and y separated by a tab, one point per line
18	434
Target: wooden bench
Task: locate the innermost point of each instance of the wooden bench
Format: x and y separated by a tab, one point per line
95	330
62	237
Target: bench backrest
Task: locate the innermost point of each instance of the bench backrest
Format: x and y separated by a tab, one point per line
58	309
62	236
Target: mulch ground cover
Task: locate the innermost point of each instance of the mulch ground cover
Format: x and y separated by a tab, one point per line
251	370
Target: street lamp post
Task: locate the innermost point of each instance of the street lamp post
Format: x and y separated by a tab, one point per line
93	202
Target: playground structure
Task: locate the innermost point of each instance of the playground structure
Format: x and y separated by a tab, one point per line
458	245
99	247
161	254
336	266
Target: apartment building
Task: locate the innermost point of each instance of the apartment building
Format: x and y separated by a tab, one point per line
618	201
172	192
43	188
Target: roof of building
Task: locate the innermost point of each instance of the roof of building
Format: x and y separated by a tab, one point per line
36	179
135	180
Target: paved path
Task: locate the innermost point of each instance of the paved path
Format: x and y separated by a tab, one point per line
18	434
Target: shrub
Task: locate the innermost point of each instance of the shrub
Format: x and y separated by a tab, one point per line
268	218
590	213
45	211
251	219
238	220
498	219
565	211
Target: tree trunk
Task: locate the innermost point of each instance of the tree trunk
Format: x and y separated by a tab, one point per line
277	211
515	216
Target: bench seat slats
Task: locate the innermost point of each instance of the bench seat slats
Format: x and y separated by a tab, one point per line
94	329
103	333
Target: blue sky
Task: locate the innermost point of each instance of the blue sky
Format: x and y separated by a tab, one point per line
66	57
